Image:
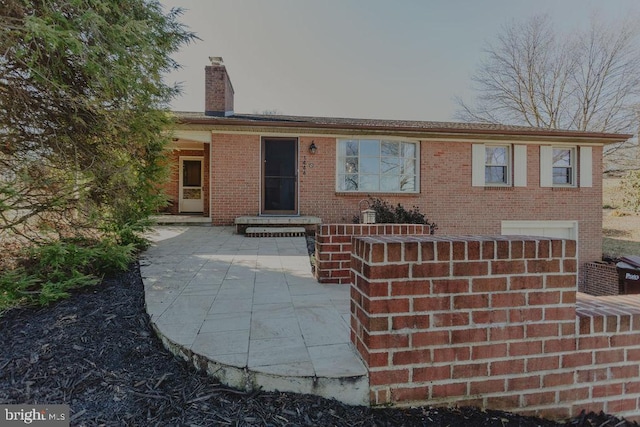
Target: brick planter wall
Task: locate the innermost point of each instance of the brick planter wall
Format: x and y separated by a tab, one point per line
601	279
488	322
333	246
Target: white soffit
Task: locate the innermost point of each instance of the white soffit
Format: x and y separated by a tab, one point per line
192	135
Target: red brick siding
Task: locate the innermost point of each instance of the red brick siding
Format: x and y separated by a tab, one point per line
218	90
446	195
489	322
235	177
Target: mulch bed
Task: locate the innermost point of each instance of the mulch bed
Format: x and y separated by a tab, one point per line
97	352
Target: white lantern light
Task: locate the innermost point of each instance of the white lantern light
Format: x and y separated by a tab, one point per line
368	216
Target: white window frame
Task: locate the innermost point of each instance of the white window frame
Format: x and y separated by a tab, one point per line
340	165
508	166
572	166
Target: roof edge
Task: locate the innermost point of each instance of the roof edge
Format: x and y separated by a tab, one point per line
603	137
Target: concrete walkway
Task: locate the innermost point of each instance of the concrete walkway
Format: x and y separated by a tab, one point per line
249	311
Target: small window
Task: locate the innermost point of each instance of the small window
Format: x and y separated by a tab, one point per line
496	169
494	165
564	166
372	165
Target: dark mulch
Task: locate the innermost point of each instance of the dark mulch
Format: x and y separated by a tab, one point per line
96	352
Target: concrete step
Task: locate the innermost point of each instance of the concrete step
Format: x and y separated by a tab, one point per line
244	222
275	232
191	220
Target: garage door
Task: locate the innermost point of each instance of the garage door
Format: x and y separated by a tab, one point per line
557	229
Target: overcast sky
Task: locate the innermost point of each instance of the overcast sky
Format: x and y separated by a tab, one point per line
355	58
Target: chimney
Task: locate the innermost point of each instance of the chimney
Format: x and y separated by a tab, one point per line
218	97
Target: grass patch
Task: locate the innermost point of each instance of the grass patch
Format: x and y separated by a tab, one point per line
618	247
612	197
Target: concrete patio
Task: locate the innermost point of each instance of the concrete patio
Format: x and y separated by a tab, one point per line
249	311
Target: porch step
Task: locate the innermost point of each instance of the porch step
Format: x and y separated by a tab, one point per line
182	220
244	222
275	232
277	220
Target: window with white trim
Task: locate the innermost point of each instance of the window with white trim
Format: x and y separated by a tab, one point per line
564	170
373	165
496	165
568	166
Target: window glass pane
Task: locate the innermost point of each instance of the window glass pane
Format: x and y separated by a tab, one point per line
408	183
562	175
495	174
408	150
192	194
370	165
561	157
389	183
409	166
369	183
390	148
349	182
350	148
191	174
375	165
496	155
369	148
390	165
351	165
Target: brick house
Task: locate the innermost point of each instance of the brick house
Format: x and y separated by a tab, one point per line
468	178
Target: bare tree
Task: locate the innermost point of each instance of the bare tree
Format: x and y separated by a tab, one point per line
534	75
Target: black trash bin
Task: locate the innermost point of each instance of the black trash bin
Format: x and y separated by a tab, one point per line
629	274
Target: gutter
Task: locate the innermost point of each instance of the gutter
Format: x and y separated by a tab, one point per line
606	138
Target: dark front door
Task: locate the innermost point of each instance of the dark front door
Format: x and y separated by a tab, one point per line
279	176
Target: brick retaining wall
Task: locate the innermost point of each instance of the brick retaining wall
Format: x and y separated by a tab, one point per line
488	322
333	246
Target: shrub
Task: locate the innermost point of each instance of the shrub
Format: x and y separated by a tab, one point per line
48	272
16	286
388	214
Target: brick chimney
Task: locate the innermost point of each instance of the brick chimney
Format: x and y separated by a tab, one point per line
218	97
